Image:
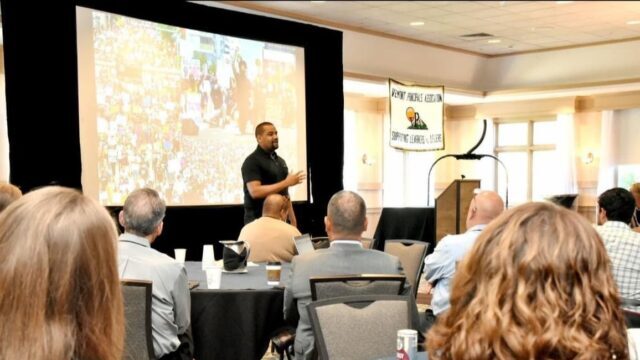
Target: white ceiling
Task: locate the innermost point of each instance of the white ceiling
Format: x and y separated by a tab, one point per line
518	25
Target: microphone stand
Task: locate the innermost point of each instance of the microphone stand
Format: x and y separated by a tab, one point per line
470	156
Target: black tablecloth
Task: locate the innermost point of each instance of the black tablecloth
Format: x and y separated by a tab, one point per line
236	321
406	223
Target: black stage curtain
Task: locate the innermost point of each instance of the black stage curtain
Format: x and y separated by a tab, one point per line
42	104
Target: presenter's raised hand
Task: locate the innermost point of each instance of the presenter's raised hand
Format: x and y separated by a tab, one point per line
295	178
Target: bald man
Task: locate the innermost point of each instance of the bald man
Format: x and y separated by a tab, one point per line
270	237
345	222
440	266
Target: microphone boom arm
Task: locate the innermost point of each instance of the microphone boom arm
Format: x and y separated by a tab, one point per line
469	155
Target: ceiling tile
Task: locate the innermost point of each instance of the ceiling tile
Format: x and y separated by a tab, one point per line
431	13
531	6
580	22
489	13
403	6
465	6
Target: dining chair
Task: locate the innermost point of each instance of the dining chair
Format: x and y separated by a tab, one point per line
411	254
358	327
138	343
327	287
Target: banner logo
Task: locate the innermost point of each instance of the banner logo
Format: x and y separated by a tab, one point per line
422	107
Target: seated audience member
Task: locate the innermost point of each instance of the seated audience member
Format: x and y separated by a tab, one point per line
8	194
344	223
615	209
537	284
142	218
440	266
61	296
635	219
270	237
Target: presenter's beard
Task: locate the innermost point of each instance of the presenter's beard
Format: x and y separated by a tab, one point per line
274	145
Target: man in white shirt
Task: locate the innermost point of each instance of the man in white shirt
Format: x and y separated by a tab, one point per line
142	218
615	209
440	266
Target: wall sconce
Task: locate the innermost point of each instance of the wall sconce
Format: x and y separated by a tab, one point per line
367	161
587	158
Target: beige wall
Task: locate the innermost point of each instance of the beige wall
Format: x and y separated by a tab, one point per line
369	117
402	60
601	63
463	126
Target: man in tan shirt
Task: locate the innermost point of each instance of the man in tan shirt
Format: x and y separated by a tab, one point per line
270	238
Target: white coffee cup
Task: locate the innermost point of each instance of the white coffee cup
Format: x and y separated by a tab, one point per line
208	260
214	277
273	273
180	255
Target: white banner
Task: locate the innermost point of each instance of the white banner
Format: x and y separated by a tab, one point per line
417	116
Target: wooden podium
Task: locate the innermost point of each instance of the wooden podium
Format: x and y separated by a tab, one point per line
452	206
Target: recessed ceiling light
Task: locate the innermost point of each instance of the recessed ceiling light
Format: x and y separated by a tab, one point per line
563	2
494	41
318	2
633	22
416	23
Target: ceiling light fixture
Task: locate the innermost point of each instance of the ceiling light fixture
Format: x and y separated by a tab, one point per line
416	23
494	41
633	22
318	2
563	2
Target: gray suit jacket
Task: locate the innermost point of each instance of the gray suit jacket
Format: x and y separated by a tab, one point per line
339	259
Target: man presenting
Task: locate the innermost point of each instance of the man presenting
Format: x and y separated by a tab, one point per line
265	173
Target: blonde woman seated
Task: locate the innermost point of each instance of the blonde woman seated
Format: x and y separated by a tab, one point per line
60	293
536	285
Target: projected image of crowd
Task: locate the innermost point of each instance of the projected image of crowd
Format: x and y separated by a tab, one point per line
177	108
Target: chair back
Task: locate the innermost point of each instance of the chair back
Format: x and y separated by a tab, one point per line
138	343
367	243
631	318
411	254
327	287
358	327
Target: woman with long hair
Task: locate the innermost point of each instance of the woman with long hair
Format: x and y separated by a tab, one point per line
536	285
60	296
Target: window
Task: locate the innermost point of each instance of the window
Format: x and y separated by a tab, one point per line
527	149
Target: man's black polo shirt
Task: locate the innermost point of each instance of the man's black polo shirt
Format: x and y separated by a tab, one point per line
266	168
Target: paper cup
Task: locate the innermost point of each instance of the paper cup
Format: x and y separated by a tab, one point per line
273	273
214	277
180	255
208	260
